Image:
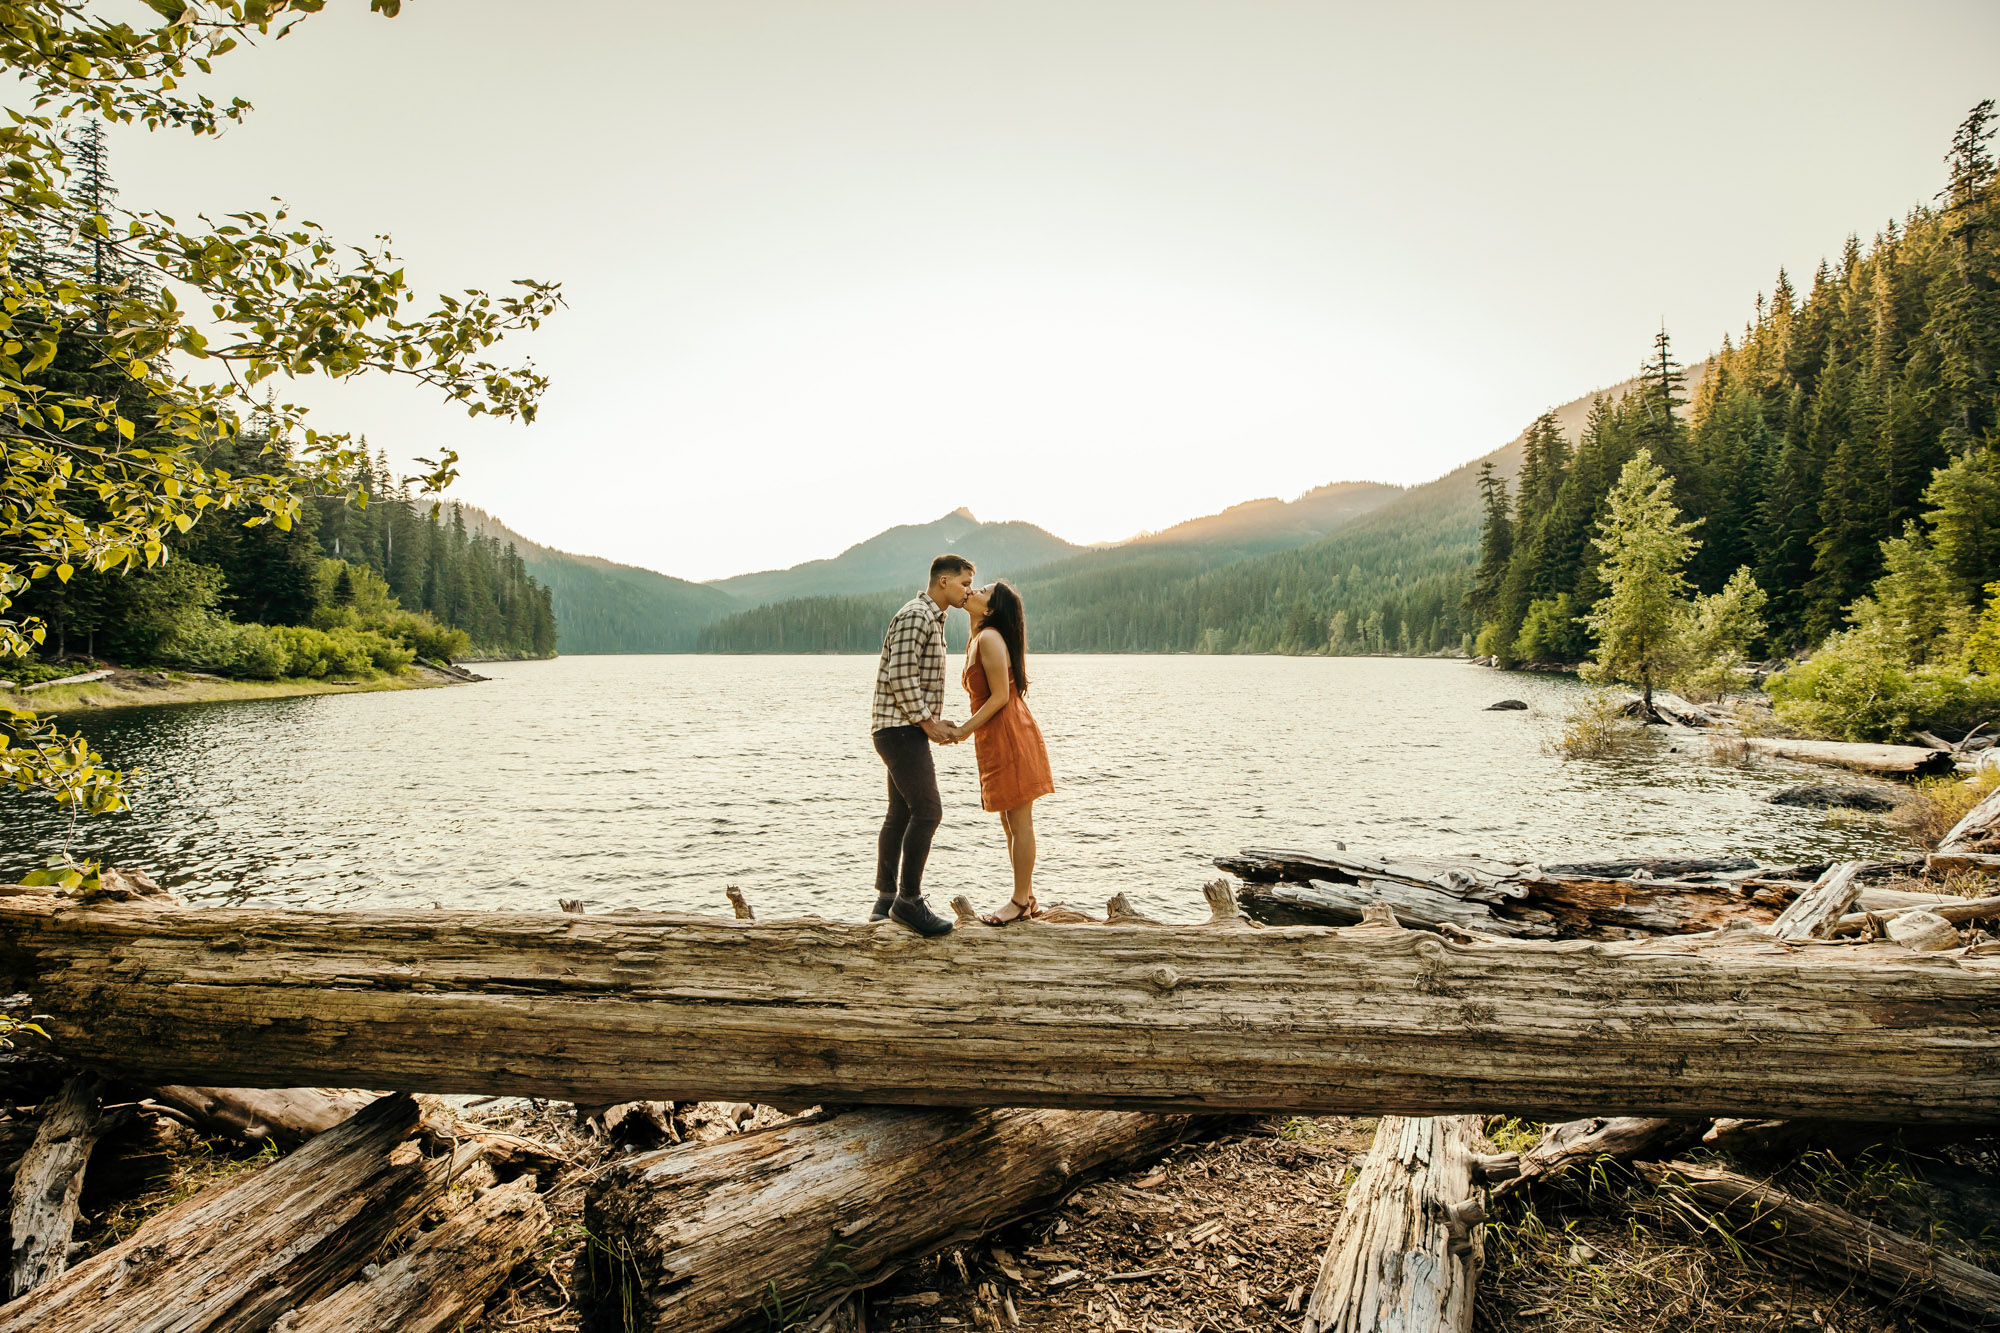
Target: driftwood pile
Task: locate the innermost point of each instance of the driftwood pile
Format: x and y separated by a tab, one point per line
965	1082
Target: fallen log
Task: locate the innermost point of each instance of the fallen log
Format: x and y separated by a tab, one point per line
443	1280
1900	1270
686	1237
1363	1020
1963	863
1321	903
1979	831
1578	1143
289	1115
1958	911
1815	913
1405	1254
1901	761
49	1181
239	1254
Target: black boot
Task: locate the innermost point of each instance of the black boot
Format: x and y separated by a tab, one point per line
917	915
883	902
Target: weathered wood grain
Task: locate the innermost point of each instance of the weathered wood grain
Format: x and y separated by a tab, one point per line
237	1255
289	1115
1816	913
1900	1270
49	1181
444	1279
784	1221
1405	1253
1367	1020
1578	1143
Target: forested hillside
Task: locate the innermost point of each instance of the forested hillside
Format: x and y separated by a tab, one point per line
605	607
887	560
1389	577
1848	436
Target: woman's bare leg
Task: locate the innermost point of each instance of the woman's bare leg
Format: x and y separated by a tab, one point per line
1021	850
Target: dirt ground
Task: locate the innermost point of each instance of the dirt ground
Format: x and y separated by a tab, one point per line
1226	1234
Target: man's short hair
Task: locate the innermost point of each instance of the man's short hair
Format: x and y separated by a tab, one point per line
949	564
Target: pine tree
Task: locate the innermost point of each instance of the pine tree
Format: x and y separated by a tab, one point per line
1639	620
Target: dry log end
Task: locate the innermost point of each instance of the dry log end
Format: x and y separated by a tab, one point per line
1922	932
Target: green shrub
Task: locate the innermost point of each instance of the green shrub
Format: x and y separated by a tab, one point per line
1552	632
255	653
1857	688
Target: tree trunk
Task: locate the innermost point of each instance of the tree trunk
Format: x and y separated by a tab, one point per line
785	1221
1963	863
1900	1270
1366	1020
49	1181
1405	1254
445	1279
235	1256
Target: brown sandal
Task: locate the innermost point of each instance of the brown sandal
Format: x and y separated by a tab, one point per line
1029	909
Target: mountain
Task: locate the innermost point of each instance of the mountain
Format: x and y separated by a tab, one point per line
901	558
1390	574
605	607
1272	524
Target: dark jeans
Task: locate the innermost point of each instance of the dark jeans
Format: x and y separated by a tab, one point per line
914	809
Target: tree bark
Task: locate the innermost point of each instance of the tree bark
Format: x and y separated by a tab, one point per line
1367	1020
783	1222
1900	1270
1963	863
444	1279
49	1181
1405	1254
235	1256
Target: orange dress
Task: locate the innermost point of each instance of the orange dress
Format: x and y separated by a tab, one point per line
1013	761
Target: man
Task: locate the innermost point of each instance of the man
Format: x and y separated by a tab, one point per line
908	719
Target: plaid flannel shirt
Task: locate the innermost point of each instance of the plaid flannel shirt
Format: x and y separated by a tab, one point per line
909	685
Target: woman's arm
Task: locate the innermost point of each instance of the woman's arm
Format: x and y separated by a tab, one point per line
993	659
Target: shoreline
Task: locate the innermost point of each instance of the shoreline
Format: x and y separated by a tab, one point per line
136	689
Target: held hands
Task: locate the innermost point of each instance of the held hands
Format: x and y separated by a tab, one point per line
944	733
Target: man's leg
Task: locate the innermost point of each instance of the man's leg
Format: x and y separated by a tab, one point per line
913	775
889	843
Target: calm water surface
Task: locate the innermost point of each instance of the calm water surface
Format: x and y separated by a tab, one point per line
655	781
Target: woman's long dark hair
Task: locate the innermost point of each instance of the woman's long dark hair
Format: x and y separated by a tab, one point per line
1003	613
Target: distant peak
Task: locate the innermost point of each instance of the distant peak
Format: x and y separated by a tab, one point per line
964	513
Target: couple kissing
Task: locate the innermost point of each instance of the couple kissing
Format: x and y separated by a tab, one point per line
908	718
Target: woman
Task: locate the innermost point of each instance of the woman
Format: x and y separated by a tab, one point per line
1013	762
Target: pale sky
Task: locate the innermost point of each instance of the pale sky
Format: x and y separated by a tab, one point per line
834	265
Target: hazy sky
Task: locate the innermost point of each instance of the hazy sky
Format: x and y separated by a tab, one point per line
836	265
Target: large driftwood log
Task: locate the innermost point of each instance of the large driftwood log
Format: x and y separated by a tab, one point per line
1326	903
445	1278
1901	761
690	1238
236	1256
1369	1019
1979	831
289	1115
1578	1143
1405	1254
49	1181
1900	1270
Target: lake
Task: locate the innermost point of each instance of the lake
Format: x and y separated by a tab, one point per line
655	781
